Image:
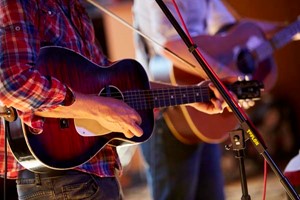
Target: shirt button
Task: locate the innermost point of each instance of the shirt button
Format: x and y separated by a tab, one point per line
50	12
17	28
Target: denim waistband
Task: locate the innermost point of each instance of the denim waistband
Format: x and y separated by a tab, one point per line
26	174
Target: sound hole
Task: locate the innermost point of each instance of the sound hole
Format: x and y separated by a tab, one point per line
246	63
111	91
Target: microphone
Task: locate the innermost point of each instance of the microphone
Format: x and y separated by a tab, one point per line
9	114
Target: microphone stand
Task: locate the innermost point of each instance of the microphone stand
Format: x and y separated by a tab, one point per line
246	124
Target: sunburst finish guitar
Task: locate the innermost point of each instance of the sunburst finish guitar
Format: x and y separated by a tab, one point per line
67	143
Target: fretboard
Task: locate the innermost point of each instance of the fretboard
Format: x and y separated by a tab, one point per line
159	98
280	39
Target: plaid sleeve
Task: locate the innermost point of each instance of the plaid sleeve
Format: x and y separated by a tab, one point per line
21	86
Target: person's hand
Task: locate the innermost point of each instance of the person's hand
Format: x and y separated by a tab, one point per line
217	104
117	116
112	114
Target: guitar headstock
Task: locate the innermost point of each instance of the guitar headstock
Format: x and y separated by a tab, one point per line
247	89
247	92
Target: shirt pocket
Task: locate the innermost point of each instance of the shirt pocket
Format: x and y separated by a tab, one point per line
51	25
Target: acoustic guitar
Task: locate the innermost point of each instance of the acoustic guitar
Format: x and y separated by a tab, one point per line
244	48
67	143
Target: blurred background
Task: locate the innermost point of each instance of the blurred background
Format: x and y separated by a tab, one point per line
276	115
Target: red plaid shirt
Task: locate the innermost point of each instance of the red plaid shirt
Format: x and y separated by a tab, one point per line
25	26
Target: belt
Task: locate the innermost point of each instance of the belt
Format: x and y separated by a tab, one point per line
26	174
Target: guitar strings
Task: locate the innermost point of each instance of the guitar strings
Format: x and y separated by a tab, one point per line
162	97
159	98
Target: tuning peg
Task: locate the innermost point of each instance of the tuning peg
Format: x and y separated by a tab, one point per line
246	103
250	102
248	77
243	104
240	78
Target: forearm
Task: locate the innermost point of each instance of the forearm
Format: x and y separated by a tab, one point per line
84	107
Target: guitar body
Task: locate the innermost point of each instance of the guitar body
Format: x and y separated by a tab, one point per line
191	126
240	49
60	146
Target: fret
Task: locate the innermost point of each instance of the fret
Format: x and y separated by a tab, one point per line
198	95
135	99
185	95
155	97
178	96
179	93
194	95
127	98
141	99
149	101
190	96
163	98
171	97
145	99
182	97
159	101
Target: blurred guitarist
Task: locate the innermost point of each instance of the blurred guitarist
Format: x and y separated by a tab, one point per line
177	170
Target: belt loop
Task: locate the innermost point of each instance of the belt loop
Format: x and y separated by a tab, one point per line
37	179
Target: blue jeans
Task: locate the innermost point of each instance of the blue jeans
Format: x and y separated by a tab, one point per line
182	172
73	186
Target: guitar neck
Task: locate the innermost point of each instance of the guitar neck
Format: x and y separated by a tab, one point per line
277	41
164	97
